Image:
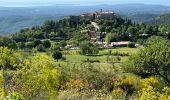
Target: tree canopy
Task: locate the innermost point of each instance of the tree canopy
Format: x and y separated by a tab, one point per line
154	59
87	48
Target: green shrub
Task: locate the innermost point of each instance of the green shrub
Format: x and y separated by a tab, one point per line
38	79
14	96
131	45
7	58
37	42
46	43
40	48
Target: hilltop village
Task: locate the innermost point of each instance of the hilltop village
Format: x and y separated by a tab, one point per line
94	32
103	29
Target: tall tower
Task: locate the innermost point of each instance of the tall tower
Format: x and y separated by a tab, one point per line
101	10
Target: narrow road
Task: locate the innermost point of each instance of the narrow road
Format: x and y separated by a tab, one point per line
95	25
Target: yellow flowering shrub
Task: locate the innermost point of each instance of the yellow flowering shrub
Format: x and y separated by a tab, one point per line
118	93
147	82
141	89
3	92
38	79
7	58
128	84
77	84
150	93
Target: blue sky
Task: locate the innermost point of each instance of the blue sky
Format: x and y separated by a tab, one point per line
48	2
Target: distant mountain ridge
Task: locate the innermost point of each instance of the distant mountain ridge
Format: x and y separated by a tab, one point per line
162	19
13	19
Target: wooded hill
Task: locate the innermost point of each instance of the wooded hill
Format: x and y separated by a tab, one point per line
70	29
163	19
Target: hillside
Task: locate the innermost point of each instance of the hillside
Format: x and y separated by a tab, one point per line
91	56
163	19
13	19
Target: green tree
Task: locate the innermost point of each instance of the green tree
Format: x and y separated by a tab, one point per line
57	55
63	44
21	45
109	38
132	31
29	45
154	59
131	45
37	42
55	47
40	48
8	42
164	28
87	48
48	26
46	43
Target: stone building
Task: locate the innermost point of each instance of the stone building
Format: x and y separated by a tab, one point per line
96	15
104	15
88	16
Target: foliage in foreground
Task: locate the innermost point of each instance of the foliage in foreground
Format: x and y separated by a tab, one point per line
35	78
154	59
40	77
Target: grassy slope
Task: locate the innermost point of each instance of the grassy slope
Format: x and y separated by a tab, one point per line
73	56
78	58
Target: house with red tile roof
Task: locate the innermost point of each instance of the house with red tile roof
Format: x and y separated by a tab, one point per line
95	36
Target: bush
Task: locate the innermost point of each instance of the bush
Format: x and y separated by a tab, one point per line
36	43
21	45
7	59
129	84
41	48
120	54
151	93
29	45
63	58
97	76
38	79
117	59
55	47
90	60
140	89
77	84
63	44
46	43
8	42
131	45
14	96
